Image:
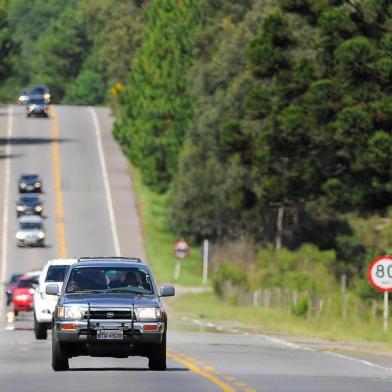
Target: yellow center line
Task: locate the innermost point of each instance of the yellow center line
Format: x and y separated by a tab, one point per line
58	193
194	368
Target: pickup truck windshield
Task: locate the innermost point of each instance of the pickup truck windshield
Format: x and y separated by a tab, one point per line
110	280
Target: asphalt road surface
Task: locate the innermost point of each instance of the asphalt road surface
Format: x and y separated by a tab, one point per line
90	211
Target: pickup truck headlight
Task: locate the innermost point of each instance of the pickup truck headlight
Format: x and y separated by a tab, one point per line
20	208
74	312
148	313
38	208
41	235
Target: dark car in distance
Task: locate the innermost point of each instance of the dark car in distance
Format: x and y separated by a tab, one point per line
37	106
29	183
29	205
109	307
41	90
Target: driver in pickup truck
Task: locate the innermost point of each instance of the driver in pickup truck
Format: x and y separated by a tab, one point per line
131	280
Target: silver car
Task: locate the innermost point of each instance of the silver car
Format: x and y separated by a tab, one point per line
30	231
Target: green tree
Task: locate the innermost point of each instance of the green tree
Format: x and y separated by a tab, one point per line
62	51
156	104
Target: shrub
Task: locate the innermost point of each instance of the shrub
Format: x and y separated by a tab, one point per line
301	308
228	273
307	268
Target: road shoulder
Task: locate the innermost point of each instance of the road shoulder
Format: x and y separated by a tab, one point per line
120	182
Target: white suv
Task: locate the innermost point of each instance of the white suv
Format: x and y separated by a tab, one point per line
53	273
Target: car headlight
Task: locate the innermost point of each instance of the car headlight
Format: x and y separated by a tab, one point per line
148	313
38	208
73	312
37	184
20	208
21	297
22	185
41	235
19	235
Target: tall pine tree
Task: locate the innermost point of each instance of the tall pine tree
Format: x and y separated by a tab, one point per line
156	105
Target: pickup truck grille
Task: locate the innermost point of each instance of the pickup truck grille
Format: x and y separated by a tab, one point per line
109	315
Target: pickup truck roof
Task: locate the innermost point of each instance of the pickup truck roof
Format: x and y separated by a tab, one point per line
110	259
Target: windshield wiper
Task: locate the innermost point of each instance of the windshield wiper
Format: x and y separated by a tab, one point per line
87	291
124	289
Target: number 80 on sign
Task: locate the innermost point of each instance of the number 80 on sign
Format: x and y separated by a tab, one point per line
380	273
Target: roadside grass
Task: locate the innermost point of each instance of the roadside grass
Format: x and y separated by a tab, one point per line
158	240
261	320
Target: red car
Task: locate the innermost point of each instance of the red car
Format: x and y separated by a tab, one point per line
23	294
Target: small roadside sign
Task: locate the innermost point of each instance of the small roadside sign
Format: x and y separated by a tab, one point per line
380	276
181	249
380	273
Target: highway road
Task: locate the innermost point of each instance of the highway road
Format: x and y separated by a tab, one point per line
90	211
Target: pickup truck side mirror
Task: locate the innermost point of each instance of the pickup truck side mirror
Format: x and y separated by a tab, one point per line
52	289
167	291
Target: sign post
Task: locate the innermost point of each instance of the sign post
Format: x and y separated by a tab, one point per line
181	251
380	276
205	261
386	311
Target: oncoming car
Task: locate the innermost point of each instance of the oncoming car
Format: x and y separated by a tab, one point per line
30	231
29	182
22	296
29	205
54	271
37	106
42	91
109	307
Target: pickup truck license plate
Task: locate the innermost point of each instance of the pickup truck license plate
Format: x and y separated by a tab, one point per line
104	334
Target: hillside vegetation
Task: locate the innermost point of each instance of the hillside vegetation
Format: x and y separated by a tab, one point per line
262	123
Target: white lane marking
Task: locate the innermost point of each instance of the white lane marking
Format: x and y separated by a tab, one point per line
282	342
109	199
4	241
362	361
338	355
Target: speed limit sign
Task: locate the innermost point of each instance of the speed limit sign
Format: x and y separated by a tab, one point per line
380	273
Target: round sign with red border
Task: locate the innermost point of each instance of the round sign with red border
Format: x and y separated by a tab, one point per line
380	273
181	249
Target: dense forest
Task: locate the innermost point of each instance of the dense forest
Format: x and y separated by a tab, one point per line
264	121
